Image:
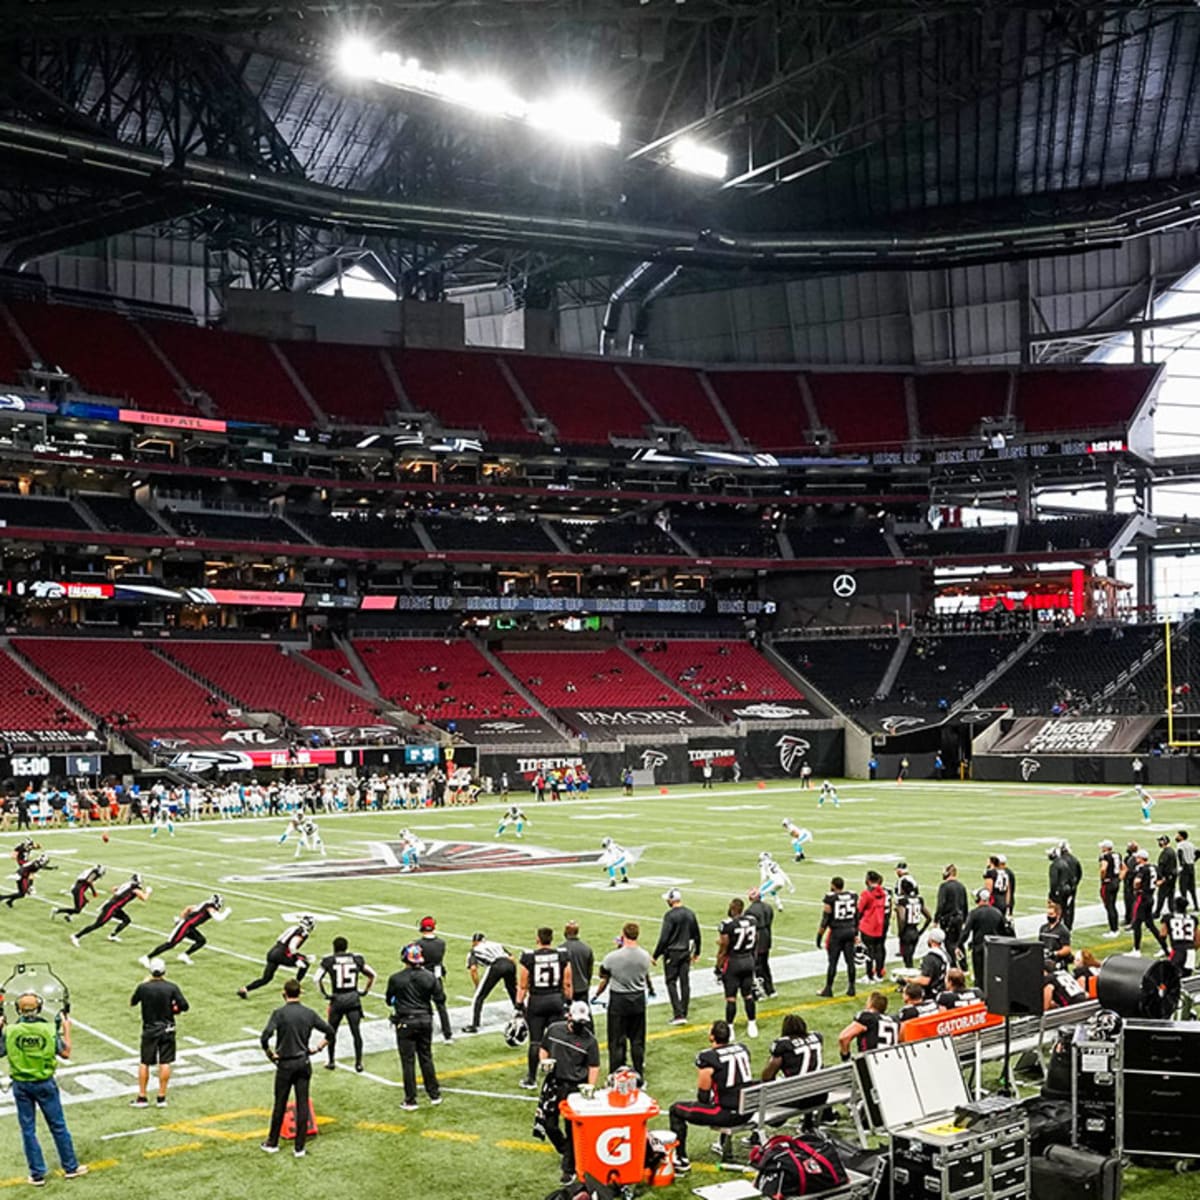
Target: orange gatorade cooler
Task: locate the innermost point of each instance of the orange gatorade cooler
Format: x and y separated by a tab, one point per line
609	1139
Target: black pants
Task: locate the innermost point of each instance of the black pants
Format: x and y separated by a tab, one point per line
684	1114
738	976
1127	895
627	1025
677	970
291	1074
978	976
439	1002
1164	896
24	887
503	971
540	1013
951	928
1068	908
841	945
79	899
1108	896
876	956
277	958
762	969
414	1040
908	944
561	1139
348	1009
1187	882
195	940
106	915
1142	918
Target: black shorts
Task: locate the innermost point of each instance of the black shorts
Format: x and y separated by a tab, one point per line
158	1046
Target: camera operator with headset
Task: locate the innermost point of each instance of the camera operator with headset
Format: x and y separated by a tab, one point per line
33	1044
570	1056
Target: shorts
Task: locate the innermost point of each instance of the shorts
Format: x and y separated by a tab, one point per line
158	1046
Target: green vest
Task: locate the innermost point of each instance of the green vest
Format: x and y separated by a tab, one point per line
31	1049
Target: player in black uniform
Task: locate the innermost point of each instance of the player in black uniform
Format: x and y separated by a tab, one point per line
188	926
82	890
795	1051
838	932
871	1029
957	993
572	1048
1168	872
433	949
996	880
1110	885
23	851
915	1003
284	953
25	876
344	971
721	1072
1183	933
912	918
543	993
1144	879
737	940
113	908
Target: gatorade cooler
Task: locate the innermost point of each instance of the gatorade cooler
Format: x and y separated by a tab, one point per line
609	1138
665	1143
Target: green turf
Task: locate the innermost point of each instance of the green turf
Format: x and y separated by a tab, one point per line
707	842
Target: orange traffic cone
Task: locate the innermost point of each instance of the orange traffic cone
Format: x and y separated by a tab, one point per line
288	1130
662	791
761	786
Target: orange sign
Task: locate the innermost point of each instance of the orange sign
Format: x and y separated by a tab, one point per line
967	1018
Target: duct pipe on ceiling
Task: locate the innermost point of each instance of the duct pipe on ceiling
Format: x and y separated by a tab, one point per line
612	311
641	314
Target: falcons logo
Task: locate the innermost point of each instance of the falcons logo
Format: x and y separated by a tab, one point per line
792	751
652	759
896	724
1029	768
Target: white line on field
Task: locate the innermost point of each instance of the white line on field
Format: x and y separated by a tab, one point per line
77	1023
124	1133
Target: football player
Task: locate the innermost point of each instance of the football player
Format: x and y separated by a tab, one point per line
1110	885
411	849
838	933
615	860
82	890
25	875
828	792
1144	878
114	907
294	825
871	1029
1183	933
1146	801
161	819
23	851
188	926
543	992
498	968
285	953
310	835
798	837
737	940
912	918
512	816
344	971
772	880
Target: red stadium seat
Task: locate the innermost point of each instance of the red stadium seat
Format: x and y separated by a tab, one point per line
952	404
26	705
715	670
766	406
599	679
348	383
678	397
1057	401
866	410
586	400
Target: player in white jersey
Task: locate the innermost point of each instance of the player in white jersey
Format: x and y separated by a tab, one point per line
798	837
162	815
616	861
828	792
1147	802
772	880
411	849
310	835
513	816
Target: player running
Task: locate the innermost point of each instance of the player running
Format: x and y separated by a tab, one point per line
411	849
114	907
188	926
284	953
23	851
514	816
344	970
772	880
25	876
1146	801
828	792
310	836
294	825
614	859
799	838
82	890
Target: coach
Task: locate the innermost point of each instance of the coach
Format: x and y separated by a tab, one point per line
161	1001
291	1026
678	946
624	973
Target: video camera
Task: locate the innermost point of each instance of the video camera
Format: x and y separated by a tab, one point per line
40	979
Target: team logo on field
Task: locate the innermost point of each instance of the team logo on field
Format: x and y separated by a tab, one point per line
792	751
1029	768
652	759
446	857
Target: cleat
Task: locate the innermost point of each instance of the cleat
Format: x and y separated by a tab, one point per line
358	1067
752	1029
267	1148
678	1021
74	941
435	1100
683	1166
139	1102
470	1029
145	961
409	1106
112	937
243	995
160	1102
299	1153
825	993
184	957
527	1084
329	1066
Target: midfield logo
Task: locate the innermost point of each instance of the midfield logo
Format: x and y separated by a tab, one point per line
439	858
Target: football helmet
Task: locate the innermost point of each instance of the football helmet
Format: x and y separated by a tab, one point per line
101	869
307	922
136	879
860	956
786	822
217	900
516	1032
606	843
764	858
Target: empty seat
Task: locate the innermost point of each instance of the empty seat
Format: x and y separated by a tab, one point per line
717	670
865	410
25	705
766	406
348	383
676	394
954	404
586	401
589	679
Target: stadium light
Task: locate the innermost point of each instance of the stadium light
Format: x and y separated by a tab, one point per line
687	155
571	117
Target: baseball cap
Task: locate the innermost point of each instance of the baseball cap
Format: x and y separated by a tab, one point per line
1141	854
157	966
427	923
672	894
983	894
1106	844
936	935
902	866
1002	859
579	1011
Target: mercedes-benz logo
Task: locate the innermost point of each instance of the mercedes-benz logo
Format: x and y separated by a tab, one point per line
845	586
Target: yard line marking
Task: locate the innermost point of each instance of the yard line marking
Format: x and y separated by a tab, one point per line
167	1151
490	1095
75	1021
124	1133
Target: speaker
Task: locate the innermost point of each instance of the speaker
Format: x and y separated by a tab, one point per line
1135	987
1013	976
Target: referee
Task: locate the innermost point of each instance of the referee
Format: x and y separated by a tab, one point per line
489	963
161	1001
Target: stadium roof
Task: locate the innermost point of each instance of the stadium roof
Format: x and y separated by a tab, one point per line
857	134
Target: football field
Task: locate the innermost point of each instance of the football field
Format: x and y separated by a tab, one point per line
205	1143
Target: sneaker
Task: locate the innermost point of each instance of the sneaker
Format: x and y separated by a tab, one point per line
139	1102
683	1166
358	1067
678	1021
825	993
79	1171
160	1102
611	883
527	1084
435	1100
75	943
112	937
448	1038
408	1106
37	1181
567	1177
299	1153
185	958
470	1029
145	961
1107	937
243	995
851	992
331	1066
267	1148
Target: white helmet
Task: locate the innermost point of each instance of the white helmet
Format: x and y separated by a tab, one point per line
786	822
308	922
606	843
764	858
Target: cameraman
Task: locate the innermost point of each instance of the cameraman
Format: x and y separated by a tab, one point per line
571	1048
33	1046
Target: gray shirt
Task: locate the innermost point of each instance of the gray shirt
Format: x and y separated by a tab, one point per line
1186	852
626	970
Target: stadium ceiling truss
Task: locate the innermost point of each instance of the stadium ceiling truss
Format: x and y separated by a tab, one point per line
859	136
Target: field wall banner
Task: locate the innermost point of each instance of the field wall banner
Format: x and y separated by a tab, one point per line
1108	770
1074	735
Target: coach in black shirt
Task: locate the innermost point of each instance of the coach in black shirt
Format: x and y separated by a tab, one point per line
161	1001
291	1025
678	946
411	994
433	948
950	913
985	920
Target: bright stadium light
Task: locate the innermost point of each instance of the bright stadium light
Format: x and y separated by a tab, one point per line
687	155
570	118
